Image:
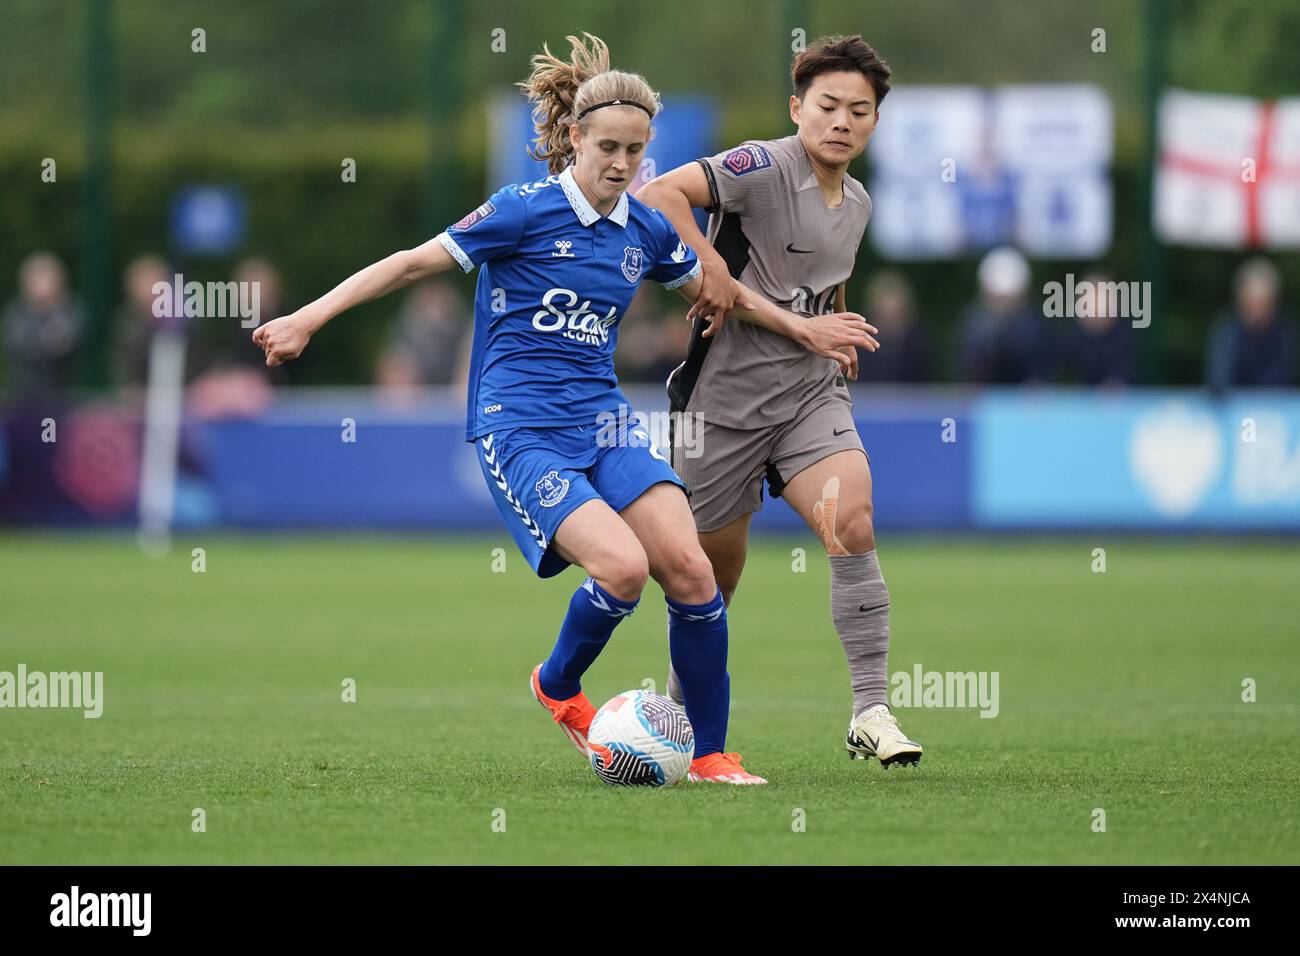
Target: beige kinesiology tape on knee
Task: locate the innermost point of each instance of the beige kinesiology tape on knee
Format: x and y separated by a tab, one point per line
824	516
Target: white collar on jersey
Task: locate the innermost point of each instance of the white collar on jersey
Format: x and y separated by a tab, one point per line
585	212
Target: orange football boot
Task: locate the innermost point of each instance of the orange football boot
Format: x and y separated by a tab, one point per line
573	715
721	768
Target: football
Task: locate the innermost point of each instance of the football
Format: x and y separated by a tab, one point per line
639	739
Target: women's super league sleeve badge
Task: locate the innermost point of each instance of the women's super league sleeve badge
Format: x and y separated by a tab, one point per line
746	159
551	489
632	263
477	216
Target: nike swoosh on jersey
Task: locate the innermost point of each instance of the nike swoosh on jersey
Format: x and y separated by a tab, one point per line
790	248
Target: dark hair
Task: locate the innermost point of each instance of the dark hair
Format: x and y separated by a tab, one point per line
839	55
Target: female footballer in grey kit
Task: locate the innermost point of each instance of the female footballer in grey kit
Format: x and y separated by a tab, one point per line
785	220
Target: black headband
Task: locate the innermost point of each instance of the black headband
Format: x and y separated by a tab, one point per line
616	103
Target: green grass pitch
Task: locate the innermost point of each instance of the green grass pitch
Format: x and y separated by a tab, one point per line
223	691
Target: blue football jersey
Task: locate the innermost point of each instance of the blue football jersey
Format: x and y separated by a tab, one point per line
555	278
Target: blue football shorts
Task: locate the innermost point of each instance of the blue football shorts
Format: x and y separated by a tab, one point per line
538	476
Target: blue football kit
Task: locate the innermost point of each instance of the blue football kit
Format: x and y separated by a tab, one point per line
555	278
551	426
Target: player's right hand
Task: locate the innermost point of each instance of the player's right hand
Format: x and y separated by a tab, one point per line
282	339
827	335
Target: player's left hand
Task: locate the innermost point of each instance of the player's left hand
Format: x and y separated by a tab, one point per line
719	294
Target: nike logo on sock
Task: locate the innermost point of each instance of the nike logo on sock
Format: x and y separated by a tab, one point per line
863	607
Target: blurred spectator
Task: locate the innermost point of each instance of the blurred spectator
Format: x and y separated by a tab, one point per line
1254	341
1003	340
1098	348
234	347
904	354
652	337
430	341
672	339
235	381
42	327
134	322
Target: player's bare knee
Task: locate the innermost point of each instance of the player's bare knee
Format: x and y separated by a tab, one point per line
856	532
688	576
699	570
624	575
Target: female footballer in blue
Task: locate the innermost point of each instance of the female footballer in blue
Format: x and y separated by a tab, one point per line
559	261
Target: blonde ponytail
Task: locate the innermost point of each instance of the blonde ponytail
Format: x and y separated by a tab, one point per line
561	91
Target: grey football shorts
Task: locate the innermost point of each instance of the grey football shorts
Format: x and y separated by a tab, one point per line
725	481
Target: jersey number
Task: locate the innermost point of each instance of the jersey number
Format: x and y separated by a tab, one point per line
804	300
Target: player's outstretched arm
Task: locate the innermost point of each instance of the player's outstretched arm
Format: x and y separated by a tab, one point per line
825	335
717	294
285	338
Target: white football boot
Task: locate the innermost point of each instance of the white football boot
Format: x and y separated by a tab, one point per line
875	733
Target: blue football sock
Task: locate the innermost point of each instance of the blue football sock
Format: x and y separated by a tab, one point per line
697	643
593	615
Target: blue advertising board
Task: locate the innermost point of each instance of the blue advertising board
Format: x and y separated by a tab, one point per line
1154	459
1002	460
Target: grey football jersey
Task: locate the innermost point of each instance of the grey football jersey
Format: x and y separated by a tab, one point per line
771	225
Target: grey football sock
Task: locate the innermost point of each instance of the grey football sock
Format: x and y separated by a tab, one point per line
860	610
675	686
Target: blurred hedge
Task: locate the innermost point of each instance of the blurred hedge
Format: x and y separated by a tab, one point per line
300	214
285	92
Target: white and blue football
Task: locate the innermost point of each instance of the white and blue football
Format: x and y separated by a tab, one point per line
639	739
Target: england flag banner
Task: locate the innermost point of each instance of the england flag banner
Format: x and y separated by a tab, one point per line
1229	171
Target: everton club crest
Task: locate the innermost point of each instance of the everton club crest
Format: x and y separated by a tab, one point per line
551	489
632	264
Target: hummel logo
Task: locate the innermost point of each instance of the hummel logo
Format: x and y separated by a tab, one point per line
842	431
791	248
863	607
874	743
564	245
